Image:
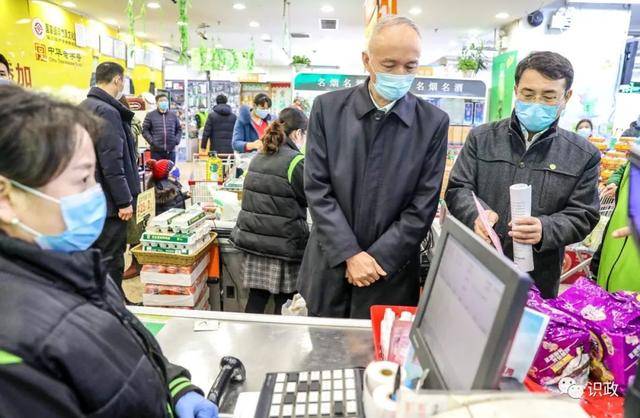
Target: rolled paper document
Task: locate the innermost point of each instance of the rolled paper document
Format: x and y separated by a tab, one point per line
521	208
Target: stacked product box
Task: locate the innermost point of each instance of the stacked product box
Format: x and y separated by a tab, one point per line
177	276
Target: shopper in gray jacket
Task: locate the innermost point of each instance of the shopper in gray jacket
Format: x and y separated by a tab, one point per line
162	130
561	167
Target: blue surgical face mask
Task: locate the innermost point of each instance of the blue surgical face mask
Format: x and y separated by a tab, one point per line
262	113
393	86
84	215
584	132
536	117
163	106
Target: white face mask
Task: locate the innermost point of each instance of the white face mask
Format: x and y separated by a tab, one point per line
121	92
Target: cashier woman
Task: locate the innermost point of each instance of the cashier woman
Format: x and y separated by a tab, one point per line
68	345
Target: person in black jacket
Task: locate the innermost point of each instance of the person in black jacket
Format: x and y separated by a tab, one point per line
162	130
219	127
530	148
68	345
374	163
272	226
117	167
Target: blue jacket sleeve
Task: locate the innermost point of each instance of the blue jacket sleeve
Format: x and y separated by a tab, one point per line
238	141
146	129
110	154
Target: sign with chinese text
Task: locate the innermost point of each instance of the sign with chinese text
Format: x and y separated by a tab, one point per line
51	47
146	205
423	86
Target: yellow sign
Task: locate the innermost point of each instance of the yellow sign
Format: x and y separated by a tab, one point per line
40	41
146	207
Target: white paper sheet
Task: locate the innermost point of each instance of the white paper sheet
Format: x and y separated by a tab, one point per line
521	208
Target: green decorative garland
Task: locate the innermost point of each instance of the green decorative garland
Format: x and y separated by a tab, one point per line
132	18
183	29
220	59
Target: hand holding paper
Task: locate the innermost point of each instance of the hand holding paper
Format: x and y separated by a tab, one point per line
484	225
526	231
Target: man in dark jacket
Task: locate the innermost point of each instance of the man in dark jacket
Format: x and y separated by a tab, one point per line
219	127
375	160
117	168
162	131
251	124
561	167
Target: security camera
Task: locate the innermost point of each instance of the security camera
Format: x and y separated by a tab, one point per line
535	19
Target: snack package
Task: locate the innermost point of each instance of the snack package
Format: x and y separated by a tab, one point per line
160	289
614	323
564	351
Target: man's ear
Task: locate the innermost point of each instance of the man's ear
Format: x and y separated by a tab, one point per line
7	214
568	96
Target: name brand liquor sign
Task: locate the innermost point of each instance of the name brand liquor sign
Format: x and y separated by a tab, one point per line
421	85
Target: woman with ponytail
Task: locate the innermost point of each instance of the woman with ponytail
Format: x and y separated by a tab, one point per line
272	226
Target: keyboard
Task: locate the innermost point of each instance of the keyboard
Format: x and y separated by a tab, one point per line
312	394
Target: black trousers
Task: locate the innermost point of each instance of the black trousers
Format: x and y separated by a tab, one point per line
259	298
113	244
163	155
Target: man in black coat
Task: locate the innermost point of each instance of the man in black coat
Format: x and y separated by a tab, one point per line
117	168
219	127
375	159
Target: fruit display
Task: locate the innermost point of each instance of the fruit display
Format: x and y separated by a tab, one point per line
600	143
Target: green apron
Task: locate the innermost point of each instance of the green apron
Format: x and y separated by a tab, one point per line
620	260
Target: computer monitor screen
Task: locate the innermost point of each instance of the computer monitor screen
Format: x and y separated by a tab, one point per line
634	192
469	312
464	302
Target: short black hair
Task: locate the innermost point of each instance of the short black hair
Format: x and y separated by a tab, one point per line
106	71
583	121
161	95
550	64
4	61
221	99
261	99
40	133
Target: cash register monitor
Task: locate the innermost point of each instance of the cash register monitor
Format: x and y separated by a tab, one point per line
634	192
469	312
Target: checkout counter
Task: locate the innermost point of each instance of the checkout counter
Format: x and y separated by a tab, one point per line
285	344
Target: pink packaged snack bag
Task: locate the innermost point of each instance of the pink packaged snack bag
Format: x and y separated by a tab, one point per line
564	351
614	323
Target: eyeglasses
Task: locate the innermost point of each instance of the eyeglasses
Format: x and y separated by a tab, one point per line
546	98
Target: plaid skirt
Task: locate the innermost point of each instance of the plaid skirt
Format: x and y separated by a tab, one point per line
271	274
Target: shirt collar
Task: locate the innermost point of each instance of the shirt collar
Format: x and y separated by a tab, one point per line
535	136
404	108
385	108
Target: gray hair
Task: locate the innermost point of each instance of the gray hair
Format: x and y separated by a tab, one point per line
390	21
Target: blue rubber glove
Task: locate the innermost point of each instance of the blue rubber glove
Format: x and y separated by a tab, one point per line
194	405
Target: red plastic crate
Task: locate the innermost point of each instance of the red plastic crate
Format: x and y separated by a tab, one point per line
377	315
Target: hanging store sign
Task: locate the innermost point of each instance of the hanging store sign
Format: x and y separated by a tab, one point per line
424	86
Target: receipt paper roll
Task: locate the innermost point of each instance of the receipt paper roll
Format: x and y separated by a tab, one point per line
521	208
378	375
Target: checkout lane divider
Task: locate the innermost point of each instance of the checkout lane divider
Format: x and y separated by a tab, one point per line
256	318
